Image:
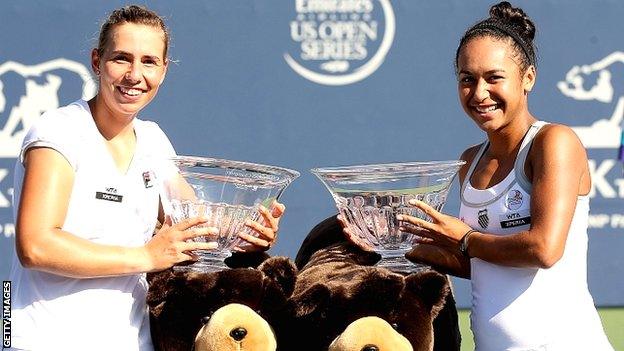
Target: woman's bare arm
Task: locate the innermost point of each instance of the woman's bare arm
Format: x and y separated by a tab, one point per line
41	243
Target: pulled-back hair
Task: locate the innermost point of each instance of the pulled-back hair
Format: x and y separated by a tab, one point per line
131	14
508	23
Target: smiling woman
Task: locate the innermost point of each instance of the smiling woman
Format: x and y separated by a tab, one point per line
87	184
130	68
522	236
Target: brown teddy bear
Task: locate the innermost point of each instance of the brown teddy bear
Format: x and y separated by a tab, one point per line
226	310
338	291
337	301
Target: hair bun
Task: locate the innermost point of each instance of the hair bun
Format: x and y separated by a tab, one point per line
514	17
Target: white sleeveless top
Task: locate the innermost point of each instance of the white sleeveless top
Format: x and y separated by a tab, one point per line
528	308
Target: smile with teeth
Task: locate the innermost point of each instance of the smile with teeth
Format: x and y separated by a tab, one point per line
486	109
131	91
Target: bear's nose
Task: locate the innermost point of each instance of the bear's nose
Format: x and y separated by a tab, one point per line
238	333
370	348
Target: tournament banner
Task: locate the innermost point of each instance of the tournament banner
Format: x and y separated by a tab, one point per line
313	83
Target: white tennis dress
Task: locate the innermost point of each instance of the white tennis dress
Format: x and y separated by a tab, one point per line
52	312
528	308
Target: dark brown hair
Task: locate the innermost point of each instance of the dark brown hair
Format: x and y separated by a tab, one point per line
509	23
131	14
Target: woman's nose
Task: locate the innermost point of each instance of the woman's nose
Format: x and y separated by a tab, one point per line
134	73
482	91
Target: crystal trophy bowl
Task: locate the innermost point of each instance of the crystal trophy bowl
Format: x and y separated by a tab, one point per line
227	193
370	197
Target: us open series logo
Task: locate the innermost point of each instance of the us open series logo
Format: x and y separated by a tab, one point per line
340	42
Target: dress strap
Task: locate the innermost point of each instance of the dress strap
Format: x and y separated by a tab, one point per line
521	177
473	165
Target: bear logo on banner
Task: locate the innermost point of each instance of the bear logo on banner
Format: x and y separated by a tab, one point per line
340	42
38	92
600	82
604	133
26	91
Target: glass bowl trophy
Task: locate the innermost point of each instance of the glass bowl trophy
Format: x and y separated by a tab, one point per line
227	193
370	197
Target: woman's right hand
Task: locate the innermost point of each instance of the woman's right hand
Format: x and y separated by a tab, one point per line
172	244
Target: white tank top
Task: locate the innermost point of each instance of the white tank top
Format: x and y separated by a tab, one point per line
528	308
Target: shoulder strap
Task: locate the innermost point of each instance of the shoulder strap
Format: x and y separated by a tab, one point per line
473	165
523	153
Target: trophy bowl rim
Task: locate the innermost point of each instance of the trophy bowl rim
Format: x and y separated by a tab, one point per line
371	173
373	168
284	175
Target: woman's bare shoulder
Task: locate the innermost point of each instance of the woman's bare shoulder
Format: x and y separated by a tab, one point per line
557	137
469	154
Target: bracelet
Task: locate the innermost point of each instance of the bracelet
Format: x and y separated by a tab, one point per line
463	243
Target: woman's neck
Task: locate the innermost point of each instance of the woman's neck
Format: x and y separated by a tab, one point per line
506	141
110	125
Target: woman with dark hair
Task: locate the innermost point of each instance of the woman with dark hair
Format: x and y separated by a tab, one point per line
87	194
522	234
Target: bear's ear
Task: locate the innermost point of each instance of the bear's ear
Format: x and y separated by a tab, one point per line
324	234
374	289
315	300
431	288
282	273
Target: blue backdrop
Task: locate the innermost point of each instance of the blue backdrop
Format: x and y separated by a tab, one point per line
302	85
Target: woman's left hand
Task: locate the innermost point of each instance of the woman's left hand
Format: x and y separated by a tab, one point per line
266	228
443	230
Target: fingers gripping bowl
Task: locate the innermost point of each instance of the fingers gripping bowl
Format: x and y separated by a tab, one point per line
369	197
227	193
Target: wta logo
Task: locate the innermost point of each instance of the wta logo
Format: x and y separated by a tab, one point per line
25	93
340	42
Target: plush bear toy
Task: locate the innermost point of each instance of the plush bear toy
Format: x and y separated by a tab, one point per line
227	310
341	302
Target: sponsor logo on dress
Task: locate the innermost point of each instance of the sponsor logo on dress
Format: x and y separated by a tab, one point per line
340	42
108	196
515	219
148	179
483	218
26	91
513	200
